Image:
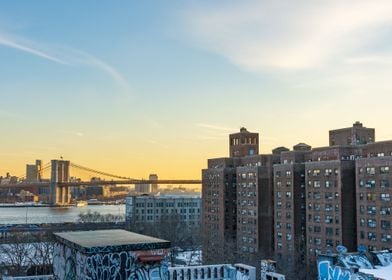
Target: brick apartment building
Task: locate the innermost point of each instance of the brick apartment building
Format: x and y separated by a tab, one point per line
290	205
297	204
237	197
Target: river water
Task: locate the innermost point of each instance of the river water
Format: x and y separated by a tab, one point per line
39	215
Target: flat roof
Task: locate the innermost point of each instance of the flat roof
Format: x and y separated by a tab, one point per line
116	240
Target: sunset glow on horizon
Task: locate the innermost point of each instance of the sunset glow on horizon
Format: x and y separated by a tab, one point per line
132	89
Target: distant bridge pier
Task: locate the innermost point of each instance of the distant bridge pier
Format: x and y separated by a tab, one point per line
59	195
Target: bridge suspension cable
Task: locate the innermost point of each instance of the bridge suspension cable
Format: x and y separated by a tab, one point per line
77	166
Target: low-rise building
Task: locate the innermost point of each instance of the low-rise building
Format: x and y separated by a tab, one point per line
157	208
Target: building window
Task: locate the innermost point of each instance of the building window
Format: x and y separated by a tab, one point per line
385	224
328	172
316	172
288	174
384	169
384	183
385	237
316	195
372	236
385	211
329	195
371	210
371	223
370	184
370	197
316	184
288	194
385	197
328	219
370	170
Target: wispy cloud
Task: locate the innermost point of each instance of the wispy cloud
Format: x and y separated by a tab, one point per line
264	35
27	47
214	127
62	55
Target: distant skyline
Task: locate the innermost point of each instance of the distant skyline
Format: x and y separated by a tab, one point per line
133	89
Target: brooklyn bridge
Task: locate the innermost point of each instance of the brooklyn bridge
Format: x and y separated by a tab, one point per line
60	181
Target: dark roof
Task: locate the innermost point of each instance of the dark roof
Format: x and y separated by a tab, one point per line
94	241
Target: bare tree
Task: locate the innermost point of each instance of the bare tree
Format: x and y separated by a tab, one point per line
15	256
182	235
96	217
42	258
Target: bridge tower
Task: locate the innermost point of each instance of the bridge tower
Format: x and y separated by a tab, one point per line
59	195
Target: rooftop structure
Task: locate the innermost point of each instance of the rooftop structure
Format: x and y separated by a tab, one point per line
355	135
109	254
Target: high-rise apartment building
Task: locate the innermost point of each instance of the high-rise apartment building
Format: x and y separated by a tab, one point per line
373	196
237	201
330	199
219	211
303	202
290	206
255	206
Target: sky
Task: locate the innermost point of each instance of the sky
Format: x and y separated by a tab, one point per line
140	87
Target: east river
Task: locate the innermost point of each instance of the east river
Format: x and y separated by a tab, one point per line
40	215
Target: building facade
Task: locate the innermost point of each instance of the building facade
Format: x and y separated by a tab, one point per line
150	209
373	196
237	202
304	202
290	206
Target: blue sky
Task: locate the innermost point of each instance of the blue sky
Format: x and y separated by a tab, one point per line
129	86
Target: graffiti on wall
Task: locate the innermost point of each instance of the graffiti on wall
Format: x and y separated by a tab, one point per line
384	257
329	272
355	260
70	264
